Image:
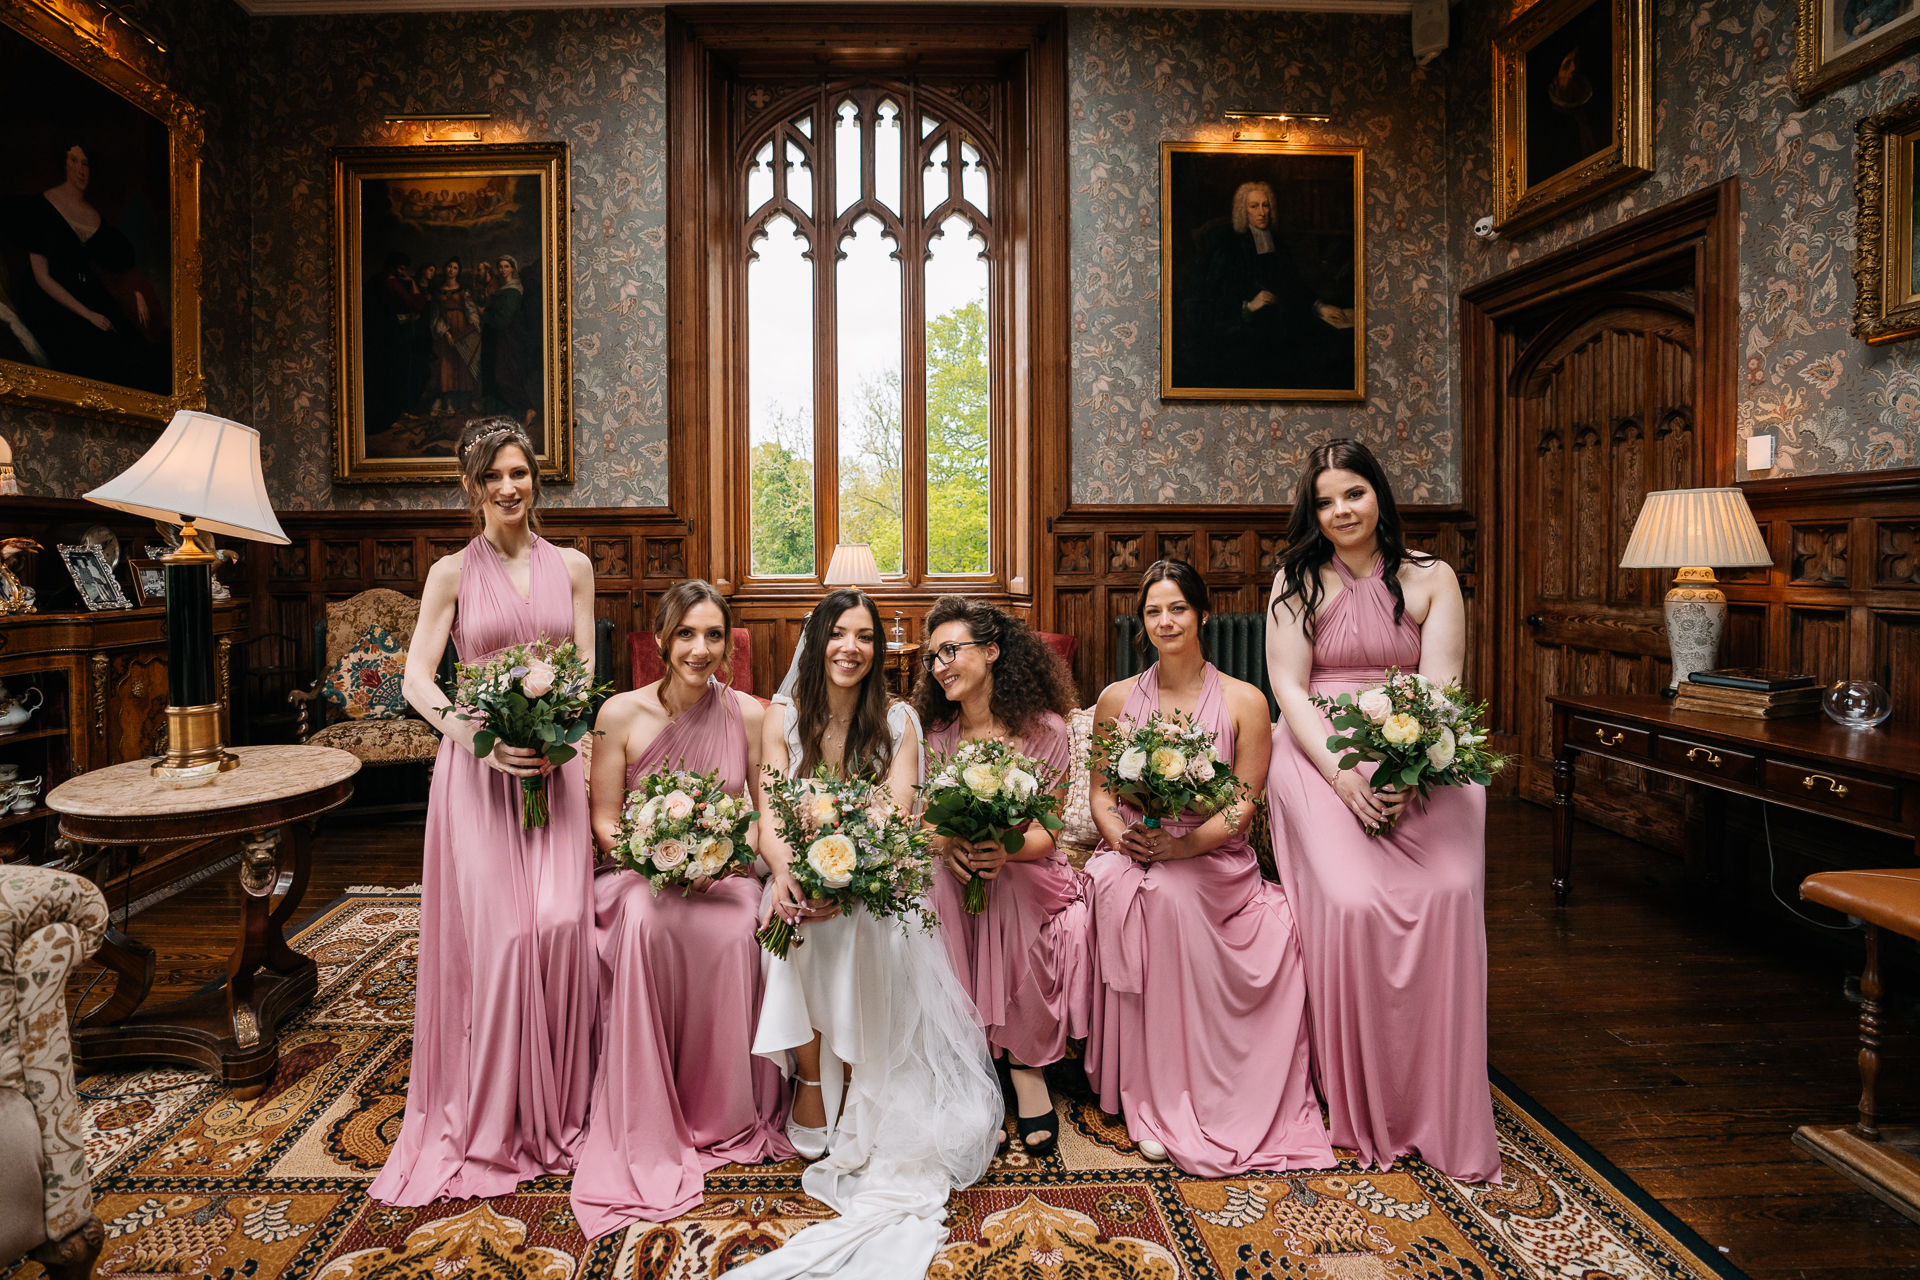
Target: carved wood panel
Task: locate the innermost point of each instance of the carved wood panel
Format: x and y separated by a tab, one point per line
1898	561
136	718
1896	661
393	560
342	560
1819	555
1073	554
1817	642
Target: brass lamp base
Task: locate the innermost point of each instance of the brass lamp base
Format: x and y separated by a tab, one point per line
194	755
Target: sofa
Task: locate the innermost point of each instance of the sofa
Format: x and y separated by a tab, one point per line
50	922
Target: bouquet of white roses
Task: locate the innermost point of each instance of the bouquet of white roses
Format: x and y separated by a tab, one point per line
685	827
850	846
989	791
528	695
1165	768
1423	735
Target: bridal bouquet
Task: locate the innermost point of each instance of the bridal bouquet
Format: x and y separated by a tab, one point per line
685	827
529	695
1423	735
1165	767
852	847
989	791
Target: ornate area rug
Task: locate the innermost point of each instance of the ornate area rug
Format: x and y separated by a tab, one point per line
192	1183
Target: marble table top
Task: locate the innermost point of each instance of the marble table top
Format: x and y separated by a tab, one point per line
264	774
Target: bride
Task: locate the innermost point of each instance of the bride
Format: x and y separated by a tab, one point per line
892	1079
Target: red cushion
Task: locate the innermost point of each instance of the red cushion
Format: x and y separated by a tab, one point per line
644	665
1063	645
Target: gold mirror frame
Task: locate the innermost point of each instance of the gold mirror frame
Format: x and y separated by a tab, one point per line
350	166
1886	304
94	53
1516	205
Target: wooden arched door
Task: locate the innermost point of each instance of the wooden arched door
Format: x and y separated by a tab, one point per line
1605	397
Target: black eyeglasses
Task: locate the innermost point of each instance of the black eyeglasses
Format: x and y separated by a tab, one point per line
946	653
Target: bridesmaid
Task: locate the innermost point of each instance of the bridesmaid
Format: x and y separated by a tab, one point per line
1392	927
677	1091
1023	959
1199	1016
503	1024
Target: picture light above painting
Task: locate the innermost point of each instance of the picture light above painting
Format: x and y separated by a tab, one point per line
99	228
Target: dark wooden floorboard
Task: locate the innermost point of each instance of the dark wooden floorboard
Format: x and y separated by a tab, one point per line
1679	1039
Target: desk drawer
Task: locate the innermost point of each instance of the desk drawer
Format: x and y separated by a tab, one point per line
1825	786
1710	761
1589	734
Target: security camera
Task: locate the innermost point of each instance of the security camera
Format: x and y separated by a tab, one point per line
1484	229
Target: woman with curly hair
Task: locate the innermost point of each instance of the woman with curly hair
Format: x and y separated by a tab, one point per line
1023	959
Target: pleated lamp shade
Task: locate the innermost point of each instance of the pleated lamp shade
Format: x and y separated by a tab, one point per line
203	467
1704	528
852	566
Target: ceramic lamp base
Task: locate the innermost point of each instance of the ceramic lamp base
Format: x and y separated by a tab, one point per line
1696	618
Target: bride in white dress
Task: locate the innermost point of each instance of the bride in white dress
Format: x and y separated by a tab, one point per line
892	1076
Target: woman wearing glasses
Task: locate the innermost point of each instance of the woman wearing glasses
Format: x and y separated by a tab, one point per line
891	1070
1199	1015
1023	959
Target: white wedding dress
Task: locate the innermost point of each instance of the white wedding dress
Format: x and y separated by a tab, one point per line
923	1107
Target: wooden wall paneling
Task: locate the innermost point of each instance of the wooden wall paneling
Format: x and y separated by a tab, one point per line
1895	659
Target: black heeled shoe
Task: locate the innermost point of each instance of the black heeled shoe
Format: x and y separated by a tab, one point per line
1029	1125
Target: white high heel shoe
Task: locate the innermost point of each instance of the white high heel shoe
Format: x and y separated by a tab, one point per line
811	1143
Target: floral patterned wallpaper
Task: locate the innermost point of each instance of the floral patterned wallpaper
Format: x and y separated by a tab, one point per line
595	79
1723	106
1137	77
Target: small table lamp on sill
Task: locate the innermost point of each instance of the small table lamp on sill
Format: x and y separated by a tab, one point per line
852	566
205	472
1695	531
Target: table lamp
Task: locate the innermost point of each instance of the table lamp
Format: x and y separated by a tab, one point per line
852	566
204	472
1695	531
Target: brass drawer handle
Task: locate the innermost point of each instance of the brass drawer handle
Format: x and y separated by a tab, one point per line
1837	787
1605	741
1712	759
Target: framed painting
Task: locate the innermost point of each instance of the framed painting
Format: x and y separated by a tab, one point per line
1836	40
450	303
1572	106
149	581
1886	268
99	227
1262	259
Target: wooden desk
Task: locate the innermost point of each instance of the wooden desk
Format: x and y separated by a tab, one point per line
1867	777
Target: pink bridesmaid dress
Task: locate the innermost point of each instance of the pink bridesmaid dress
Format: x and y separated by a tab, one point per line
1024	960
503	1016
678	1090
1199	1028
1393	927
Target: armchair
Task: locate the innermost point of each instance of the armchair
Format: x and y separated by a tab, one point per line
50	921
407	739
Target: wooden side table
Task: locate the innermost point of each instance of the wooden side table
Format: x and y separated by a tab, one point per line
273	798
901	665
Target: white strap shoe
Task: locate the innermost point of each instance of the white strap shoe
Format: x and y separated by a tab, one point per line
810	1143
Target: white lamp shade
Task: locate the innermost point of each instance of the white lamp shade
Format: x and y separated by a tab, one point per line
1696	528
204	467
852	566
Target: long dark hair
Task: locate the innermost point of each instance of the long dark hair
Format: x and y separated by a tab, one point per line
1308	548
675	604
1028	677
1193	588
869	752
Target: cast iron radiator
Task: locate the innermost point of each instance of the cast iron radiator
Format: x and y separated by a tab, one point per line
1235	642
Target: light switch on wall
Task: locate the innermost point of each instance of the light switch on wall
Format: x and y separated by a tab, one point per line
1760	453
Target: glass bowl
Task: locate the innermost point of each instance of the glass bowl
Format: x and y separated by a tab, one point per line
1857	704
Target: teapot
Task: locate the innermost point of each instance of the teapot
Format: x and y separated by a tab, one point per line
14	712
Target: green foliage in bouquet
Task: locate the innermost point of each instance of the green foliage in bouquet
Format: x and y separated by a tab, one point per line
1422	735
535	696
852	847
989	791
1166	767
678	826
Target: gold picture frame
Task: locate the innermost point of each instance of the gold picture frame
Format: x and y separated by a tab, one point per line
134	137
451	302
1245	320
1886	287
1836	40
1572	106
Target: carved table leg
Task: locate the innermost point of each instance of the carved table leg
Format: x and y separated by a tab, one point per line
133	965
1869	1126
1562	828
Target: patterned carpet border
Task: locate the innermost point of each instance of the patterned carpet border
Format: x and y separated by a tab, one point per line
195	1185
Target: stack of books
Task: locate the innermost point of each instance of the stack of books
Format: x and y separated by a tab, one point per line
1751	692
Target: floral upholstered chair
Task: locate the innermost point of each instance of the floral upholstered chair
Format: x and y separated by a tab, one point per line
360	656
49	922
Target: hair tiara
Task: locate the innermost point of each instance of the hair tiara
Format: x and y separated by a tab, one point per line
481	439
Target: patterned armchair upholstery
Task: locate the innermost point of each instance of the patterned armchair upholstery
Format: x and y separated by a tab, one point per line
409	739
49	922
